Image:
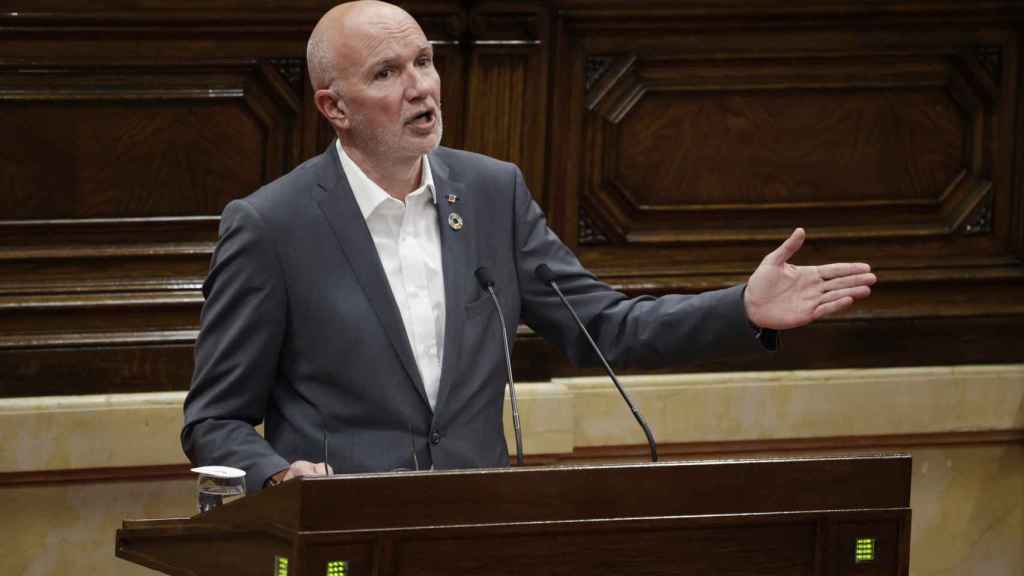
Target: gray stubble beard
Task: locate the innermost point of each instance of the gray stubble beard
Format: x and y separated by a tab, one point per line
374	140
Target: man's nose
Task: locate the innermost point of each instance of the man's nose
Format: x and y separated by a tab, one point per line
417	83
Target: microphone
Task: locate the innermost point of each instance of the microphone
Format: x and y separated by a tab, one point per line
323	431
323	435
412	446
545	275
327	467
483	276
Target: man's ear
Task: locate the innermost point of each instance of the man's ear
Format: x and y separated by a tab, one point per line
331	107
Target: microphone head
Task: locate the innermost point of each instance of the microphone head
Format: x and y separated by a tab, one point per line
544	273
483	276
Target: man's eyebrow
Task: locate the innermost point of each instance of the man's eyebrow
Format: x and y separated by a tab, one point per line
385	61
391	60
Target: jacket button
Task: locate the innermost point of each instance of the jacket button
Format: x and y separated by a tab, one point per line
435	438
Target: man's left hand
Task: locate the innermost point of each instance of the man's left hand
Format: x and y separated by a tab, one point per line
780	295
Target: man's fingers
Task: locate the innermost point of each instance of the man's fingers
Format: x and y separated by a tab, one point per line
832	307
785	251
300	468
305	468
840	269
856	292
850	281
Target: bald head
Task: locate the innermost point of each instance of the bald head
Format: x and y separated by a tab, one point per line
344	32
375	83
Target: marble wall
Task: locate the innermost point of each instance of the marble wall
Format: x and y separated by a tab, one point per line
61	458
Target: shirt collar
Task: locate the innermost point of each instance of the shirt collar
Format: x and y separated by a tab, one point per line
368	194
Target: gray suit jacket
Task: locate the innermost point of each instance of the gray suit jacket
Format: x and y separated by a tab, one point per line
300	330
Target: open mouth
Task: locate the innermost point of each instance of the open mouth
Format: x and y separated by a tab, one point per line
424	118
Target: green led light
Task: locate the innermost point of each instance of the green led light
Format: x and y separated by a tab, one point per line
864	550
280	566
337	568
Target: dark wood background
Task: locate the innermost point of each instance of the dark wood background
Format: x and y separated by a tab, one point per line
672	144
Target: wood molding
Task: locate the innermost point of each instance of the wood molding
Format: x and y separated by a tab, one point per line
603	453
790	445
95	475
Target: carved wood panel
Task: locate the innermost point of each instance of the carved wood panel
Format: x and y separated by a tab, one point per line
112	179
691	139
506	87
703	146
139	141
680	151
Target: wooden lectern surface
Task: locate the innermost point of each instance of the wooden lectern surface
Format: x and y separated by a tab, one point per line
793	516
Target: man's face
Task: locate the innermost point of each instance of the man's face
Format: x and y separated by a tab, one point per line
390	90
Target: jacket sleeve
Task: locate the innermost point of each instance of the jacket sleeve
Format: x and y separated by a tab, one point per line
241	332
631	332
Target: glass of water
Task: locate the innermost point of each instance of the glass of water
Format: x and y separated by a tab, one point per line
217	485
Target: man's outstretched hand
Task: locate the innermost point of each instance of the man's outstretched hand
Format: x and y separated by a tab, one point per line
780	295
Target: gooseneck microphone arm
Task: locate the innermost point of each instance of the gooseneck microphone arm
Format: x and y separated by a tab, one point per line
323	431
544	273
327	467
483	276
323	437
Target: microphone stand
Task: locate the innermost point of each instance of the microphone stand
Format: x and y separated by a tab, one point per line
547	276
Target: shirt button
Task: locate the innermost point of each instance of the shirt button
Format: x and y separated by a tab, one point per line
435	438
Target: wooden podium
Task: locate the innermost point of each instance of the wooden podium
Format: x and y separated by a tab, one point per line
833	516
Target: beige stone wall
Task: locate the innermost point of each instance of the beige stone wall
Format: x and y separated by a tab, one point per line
964	427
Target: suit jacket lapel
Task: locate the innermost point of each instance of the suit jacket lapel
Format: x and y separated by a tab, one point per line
455	249
346	221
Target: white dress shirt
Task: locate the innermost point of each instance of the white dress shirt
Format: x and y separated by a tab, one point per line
409	245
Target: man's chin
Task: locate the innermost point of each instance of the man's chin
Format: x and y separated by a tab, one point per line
426	143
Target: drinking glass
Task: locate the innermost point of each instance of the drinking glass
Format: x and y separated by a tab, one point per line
217	485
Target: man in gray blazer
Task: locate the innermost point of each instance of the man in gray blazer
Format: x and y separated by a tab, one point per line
341	299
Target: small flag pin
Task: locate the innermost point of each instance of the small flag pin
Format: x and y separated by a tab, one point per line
452	198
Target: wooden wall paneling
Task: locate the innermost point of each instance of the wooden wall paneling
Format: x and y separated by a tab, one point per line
1013	71
570	73
117	363
704	138
447	34
449	59
497	113
279	109
35	273
113	175
55	318
668	147
316	132
506	88
845	343
106	173
889	129
138	141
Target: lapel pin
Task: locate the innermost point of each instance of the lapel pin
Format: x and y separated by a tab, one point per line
452	198
455	221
